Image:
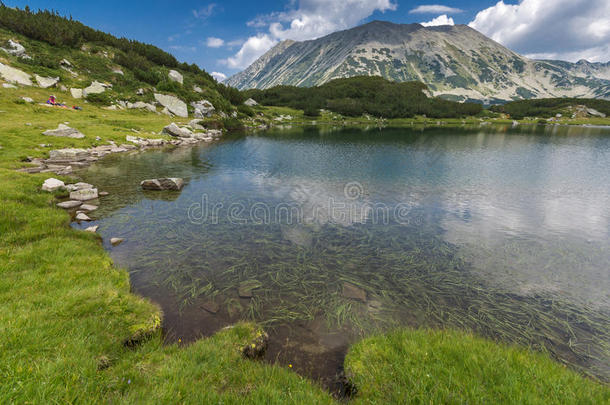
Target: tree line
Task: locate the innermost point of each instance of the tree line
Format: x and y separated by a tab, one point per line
548	107
360	95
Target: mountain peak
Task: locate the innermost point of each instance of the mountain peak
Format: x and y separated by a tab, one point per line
454	61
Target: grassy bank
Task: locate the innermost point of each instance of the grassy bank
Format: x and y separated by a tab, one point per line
447	367
286	116
66	312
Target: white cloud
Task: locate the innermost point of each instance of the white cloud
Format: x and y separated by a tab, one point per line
206	12
558	29
220	77
435	9
213	42
309	19
440	20
235	42
250	51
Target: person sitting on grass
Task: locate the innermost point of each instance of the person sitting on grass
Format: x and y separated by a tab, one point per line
53	101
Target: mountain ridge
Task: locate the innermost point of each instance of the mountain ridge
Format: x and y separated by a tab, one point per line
455	62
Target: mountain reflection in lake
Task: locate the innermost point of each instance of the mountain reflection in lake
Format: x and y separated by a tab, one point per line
333	234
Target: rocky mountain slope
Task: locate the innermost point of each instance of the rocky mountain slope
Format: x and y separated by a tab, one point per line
456	62
43	49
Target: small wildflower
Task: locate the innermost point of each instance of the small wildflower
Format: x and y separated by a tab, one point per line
128	381
253	345
290	365
179	340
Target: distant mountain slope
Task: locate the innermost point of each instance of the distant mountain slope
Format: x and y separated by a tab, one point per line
456	62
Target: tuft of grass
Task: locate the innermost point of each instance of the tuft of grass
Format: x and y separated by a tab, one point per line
451	367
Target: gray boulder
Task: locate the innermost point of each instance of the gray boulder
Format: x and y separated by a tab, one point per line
142	105
65	132
76	93
203	109
8	86
197	89
250	102
46	82
94	88
175	76
15	48
173	184
174	130
27	100
52	184
16	76
173	104
196	124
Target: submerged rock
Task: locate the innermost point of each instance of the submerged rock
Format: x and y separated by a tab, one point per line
92	229
172	184
81	216
210	306
65	132
246	287
52	184
353	292
88	207
116	241
69	204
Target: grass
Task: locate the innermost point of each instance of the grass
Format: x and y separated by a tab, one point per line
66	311
449	367
331	118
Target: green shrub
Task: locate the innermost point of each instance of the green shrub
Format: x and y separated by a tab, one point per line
102	98
244	109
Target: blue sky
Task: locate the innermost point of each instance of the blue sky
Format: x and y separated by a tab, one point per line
227	35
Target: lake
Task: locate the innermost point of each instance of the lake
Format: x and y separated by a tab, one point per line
326	235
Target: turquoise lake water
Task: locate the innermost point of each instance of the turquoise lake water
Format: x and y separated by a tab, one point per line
334	234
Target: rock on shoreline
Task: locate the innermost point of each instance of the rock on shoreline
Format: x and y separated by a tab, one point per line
171	184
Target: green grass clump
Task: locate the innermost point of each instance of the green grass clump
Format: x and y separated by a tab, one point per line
449	367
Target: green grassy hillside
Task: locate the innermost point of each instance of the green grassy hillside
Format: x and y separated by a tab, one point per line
51	40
